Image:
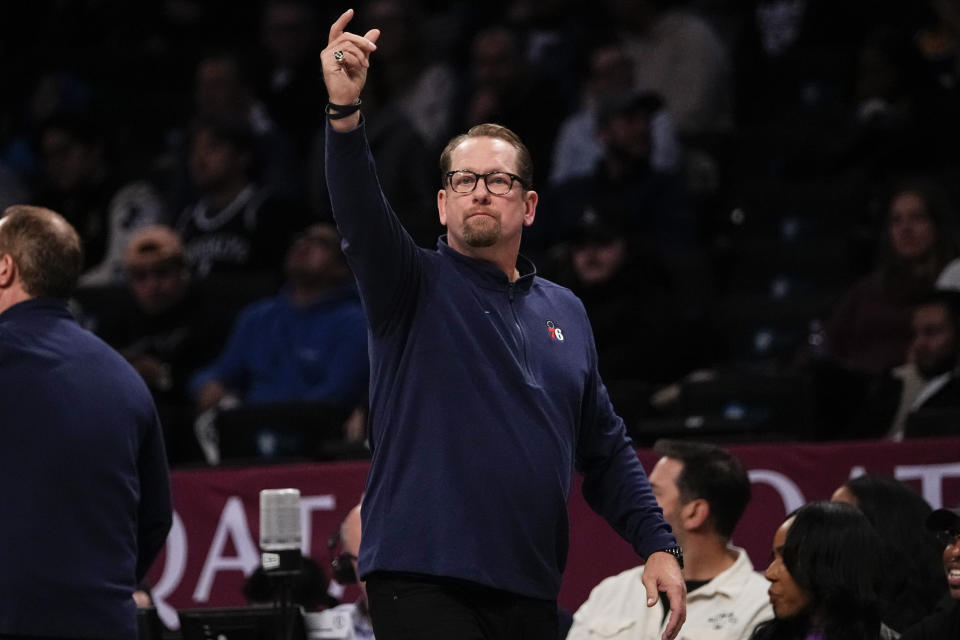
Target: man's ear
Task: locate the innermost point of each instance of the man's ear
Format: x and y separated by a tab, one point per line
442	206
530	199
8	271
695	513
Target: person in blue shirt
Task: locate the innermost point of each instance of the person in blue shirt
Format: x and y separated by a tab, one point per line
484	395
307	343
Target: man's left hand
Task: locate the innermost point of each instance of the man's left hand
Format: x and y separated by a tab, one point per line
662	573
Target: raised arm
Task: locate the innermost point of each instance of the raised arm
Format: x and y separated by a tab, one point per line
383	257
345	61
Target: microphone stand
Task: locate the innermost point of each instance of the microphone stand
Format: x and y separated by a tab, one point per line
283	574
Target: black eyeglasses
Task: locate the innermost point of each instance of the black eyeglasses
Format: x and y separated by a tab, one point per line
949	537
498	183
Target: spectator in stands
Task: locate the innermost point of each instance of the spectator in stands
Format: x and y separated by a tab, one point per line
703	490
412	79
579	146
502	87
557	36
637	323
647	203
870	328
223	89
291	65
949	278
679	56
44	92
891	125
938	42
910	554
935	351
408	108
652	208
79	180
166	327
351	620
308	343
795	61
235	227
945	622
823	575
927	381
405	173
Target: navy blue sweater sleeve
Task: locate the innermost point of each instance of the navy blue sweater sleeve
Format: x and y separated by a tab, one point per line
614	482
155	510
384	258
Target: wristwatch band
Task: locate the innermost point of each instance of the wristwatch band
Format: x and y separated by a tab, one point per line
340	111
676	552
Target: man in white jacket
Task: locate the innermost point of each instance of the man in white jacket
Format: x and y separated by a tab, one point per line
703	491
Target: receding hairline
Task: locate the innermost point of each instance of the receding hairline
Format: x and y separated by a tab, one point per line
27	209
522	160
54	219
466	138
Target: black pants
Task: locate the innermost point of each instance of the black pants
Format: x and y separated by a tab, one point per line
411	607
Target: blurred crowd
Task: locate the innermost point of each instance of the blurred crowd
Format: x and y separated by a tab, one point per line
755	200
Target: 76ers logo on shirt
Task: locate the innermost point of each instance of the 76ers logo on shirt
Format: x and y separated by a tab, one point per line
555	332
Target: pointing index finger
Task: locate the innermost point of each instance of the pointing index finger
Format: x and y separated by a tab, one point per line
336	29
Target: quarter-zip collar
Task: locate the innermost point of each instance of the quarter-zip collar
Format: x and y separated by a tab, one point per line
489	275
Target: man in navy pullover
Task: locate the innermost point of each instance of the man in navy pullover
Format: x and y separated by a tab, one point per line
484	396
86	494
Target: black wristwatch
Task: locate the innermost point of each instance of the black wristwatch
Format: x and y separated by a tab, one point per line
676	552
